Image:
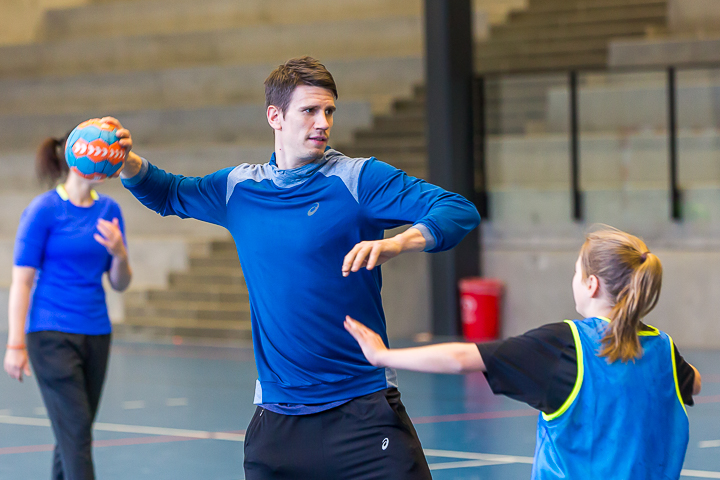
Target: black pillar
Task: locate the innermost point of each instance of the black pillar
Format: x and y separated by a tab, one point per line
577	196
675	193
449	66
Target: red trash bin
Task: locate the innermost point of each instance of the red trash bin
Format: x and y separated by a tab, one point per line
480	308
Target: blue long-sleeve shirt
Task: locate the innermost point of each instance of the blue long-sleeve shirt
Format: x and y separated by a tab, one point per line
293	229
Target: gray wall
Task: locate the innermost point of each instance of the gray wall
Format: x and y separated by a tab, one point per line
538	287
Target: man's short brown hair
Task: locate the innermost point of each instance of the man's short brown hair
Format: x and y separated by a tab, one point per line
281	83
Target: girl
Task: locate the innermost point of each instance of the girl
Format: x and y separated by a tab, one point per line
612	390
67	239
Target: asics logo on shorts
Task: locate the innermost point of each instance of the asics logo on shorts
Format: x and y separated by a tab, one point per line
313	208
385	443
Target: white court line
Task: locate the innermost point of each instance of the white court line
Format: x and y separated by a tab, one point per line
699	474
709	444
35	422
463	464
486	457
114	427
471	459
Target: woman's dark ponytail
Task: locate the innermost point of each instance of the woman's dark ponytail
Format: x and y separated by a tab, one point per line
50	165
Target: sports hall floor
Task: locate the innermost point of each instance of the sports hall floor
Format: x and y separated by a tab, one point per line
175	412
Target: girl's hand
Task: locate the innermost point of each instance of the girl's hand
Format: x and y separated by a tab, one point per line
16	363
111	237
370	342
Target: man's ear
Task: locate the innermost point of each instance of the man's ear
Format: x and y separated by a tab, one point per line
274	117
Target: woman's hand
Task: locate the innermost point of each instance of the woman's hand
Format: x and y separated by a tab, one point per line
111	238
370	342
16	363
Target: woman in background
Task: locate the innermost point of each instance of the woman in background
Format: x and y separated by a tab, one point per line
67	239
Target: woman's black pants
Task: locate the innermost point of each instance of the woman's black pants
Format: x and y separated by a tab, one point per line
70	370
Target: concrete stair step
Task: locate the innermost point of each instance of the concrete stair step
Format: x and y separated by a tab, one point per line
652	12
374	80
239	307
391	143
399	154
174	311
163	328
618	28
400	123
541	50
189	295
409	106
392	36
224	249
231	271
219	290
185	279
215	261
158	17
382	135
241	123
549	63
539	47
547	6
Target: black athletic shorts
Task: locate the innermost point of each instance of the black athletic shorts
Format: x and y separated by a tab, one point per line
368	438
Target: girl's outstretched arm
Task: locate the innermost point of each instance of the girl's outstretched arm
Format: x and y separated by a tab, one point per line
440	358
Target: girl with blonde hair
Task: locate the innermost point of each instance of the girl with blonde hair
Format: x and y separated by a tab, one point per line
611	390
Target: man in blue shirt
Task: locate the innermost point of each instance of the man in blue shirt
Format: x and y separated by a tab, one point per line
309	228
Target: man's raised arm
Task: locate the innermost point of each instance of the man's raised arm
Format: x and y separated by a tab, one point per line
202	198
440	219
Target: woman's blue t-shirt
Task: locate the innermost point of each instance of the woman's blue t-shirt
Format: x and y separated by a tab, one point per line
56	238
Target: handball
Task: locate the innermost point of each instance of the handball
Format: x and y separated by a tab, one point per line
93	152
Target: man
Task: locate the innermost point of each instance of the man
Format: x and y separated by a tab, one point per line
305	224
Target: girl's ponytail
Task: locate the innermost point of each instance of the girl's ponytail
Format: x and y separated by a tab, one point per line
634	302
50	165
632	277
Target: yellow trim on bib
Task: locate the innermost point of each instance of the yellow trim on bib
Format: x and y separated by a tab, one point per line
578	380
653	332
677	384
643	333
60	189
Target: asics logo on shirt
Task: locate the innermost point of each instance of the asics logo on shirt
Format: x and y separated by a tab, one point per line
385	443
313	208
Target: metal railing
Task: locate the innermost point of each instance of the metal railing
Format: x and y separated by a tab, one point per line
574	108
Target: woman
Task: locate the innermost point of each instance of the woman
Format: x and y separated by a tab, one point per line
58	320
611	389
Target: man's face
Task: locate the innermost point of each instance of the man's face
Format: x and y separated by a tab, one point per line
303	131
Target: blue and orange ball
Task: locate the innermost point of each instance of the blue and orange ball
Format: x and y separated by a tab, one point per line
93	150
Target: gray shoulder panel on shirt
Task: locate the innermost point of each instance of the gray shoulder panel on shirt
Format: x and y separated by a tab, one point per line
246	171
338	165
348	169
